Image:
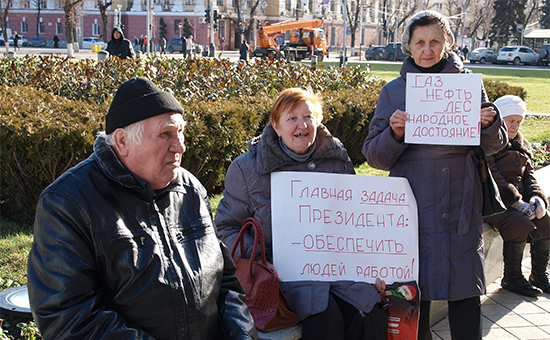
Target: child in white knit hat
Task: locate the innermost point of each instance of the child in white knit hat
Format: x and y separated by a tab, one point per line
526	217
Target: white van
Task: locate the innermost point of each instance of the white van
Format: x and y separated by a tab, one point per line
8	30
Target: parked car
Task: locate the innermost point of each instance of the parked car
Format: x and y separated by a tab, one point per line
174	45
517	55
482	55
374	52
544	55
393	53
88	42
37	42
22	40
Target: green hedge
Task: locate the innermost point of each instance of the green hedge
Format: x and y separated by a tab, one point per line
43	135
52	108
190	79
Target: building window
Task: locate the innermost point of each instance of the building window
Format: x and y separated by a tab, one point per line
58	28
189	2
26	3
219	3
221	30
8	24
41	28
95	29
333	6
332	36
288	5
24	27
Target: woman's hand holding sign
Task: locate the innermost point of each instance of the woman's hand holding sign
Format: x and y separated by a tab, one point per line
397	124
487	116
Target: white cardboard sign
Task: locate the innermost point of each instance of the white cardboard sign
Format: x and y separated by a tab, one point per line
330	227
443	109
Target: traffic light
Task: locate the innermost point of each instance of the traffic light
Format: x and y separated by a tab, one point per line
215	27
240	27
215	16
207	15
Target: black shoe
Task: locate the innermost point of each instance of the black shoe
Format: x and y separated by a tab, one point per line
521	287
540	282
513	279
539	264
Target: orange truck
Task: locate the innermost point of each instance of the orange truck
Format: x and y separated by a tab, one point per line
307	38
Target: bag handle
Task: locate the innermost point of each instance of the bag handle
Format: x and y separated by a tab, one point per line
258	237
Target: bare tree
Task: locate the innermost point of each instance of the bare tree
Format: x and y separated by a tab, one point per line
396	13
5	6
103	5
71	8
39	5
481	14
253	9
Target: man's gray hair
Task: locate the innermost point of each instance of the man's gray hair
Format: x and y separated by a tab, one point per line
134	132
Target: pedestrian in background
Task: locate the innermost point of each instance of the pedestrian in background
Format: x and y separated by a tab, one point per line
118	46
55	41
162	46
243	51
190	46
16	42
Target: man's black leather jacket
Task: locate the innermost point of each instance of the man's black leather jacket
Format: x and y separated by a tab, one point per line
113	259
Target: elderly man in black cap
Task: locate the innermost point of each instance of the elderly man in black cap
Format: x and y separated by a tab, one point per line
124	244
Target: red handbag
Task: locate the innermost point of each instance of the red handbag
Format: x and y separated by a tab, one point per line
260	282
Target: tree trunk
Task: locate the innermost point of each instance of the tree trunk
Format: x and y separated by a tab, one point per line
69	34
38	18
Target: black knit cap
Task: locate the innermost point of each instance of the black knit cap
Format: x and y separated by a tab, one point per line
138	99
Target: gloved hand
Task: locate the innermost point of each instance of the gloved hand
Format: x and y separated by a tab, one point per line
526	208
540	206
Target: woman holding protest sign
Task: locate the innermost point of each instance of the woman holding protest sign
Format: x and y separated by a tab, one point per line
295	140
444	179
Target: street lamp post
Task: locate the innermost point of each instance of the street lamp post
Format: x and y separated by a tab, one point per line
343	61
119	15
149	26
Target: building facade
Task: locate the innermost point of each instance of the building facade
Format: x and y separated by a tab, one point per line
25	18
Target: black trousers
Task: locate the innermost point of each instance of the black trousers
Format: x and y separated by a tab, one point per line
343	321
464	319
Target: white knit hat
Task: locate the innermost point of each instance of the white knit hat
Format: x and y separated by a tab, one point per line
406	36
511	105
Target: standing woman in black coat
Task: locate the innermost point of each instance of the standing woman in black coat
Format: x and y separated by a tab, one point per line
243	51
119	46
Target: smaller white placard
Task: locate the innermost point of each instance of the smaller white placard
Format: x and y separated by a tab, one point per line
443	109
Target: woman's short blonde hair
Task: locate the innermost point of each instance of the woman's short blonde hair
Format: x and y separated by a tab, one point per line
290	98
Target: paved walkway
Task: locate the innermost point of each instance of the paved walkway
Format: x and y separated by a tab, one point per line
507	315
